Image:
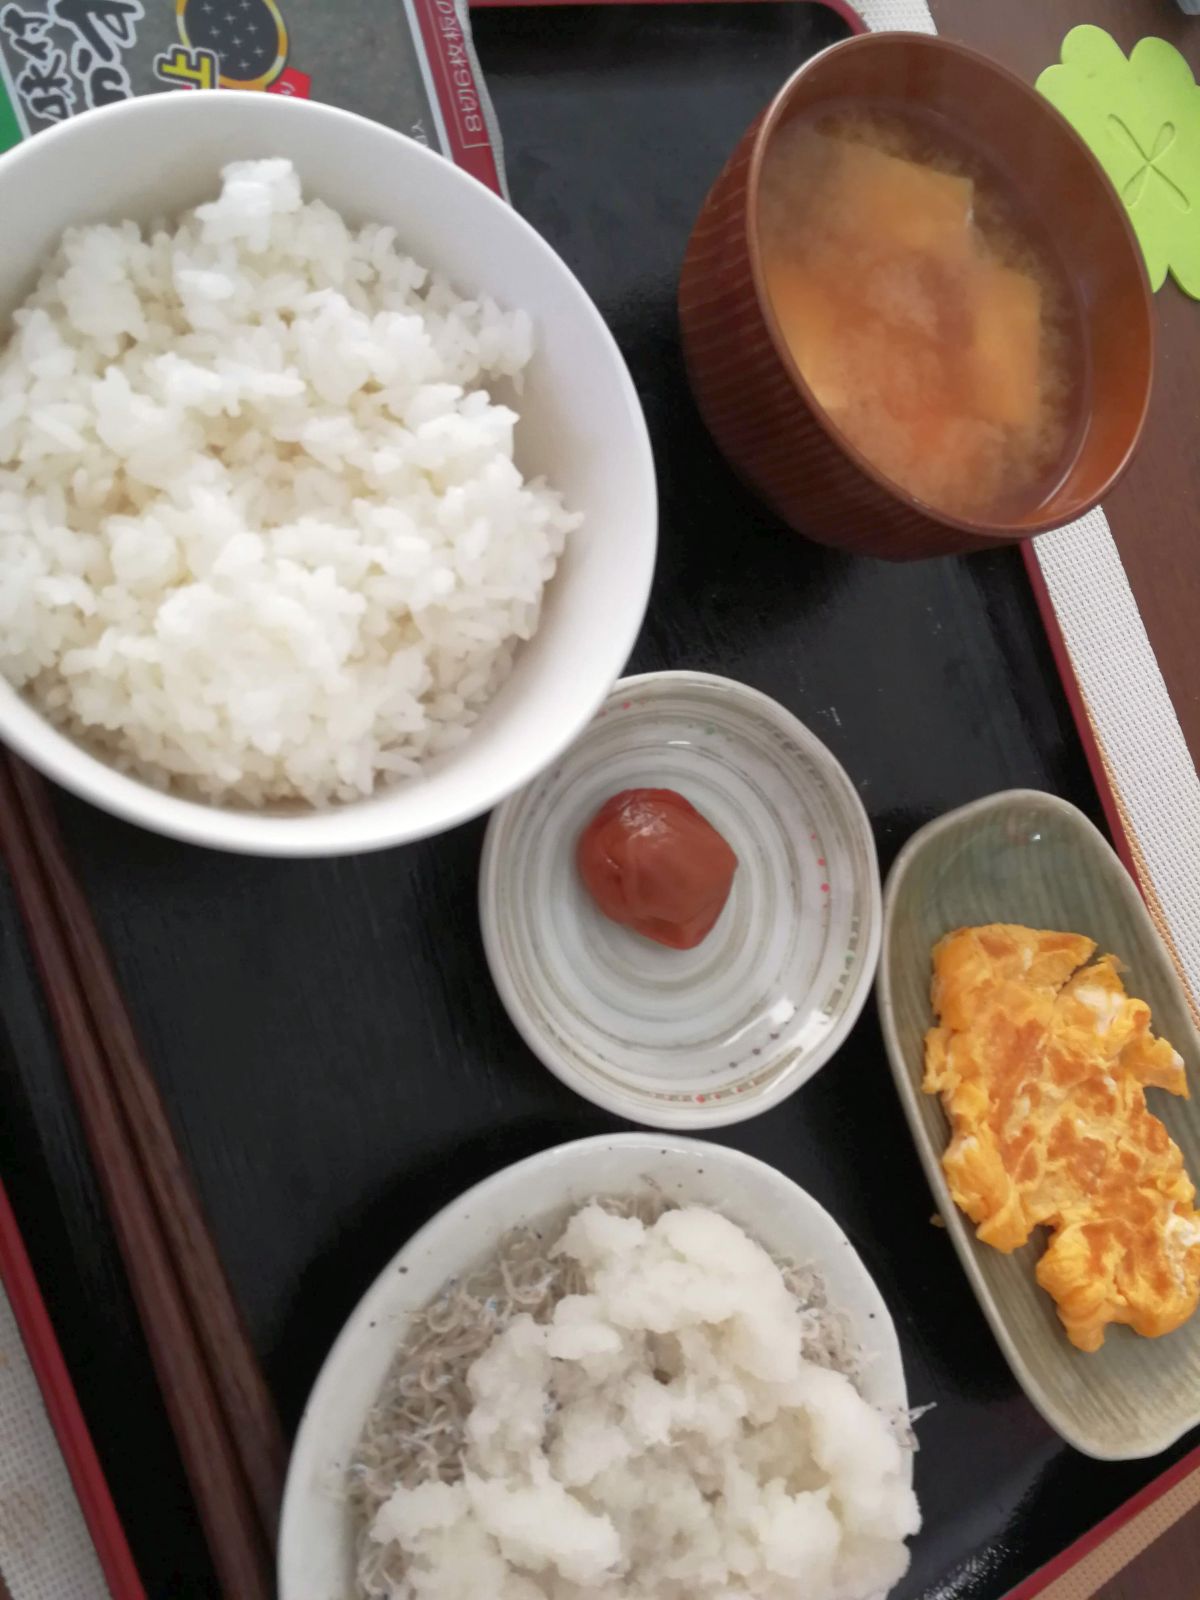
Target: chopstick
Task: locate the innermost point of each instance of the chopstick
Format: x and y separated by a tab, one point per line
217	1403
245	1399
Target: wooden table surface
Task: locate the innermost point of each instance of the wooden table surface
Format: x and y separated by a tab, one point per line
1153	511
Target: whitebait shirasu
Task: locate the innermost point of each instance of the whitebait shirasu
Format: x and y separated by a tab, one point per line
415	1431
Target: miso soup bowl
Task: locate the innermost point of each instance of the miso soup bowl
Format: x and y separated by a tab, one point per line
750	391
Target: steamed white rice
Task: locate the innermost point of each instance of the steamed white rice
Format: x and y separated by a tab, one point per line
262	535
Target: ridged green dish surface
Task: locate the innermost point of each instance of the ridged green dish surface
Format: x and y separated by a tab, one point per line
1031	858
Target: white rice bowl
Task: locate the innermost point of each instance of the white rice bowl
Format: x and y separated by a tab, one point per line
262	534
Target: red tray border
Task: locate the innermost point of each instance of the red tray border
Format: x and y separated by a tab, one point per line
16	1271
1086	1543
62	1407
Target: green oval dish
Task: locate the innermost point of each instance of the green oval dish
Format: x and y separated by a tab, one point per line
1031	858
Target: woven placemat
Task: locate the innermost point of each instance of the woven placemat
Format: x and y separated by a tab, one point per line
1150	772
46	1552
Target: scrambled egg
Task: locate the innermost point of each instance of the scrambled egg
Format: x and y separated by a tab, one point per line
1042	1060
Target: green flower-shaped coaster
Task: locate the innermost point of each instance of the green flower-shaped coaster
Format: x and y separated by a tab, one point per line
1141	117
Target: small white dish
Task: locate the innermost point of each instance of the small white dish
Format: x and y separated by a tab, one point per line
316	1540
692	1038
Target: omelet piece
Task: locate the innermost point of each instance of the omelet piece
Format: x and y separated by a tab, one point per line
1042	1061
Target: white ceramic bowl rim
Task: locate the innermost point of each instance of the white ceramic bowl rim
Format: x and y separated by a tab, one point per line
169	125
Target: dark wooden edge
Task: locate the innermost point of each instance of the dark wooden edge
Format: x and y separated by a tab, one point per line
841	8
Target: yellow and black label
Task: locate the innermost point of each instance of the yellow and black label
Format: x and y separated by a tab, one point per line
247	38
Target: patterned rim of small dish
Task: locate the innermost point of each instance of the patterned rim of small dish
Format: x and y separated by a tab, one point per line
770	1062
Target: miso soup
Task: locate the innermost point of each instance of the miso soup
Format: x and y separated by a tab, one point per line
933	324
